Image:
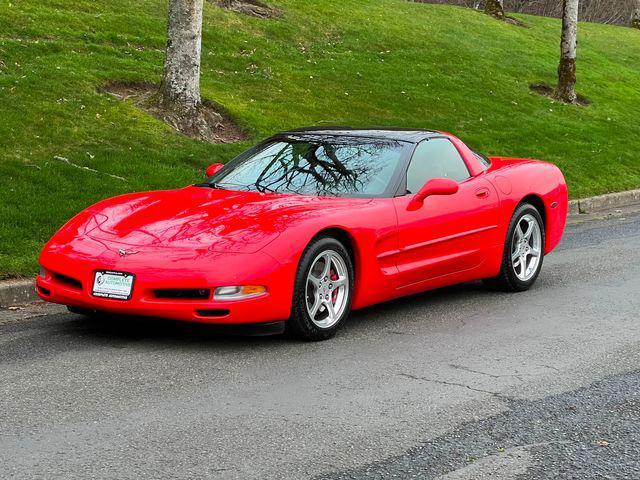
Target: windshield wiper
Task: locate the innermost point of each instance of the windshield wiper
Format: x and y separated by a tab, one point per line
206	184
223	186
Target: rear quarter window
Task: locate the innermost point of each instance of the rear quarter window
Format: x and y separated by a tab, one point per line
484	160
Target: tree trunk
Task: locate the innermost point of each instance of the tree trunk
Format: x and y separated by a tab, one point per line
495	8
180	88
635	18
568	45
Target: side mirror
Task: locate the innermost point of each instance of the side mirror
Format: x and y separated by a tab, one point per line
435	186
213	169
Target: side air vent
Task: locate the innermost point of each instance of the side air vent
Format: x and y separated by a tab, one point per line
183	293
44	291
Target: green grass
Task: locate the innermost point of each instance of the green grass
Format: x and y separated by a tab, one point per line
350	62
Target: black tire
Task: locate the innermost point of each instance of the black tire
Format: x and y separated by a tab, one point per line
507	280
300	325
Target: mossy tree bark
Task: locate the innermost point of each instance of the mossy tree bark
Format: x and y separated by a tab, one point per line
566	90
179	97
635	18
180	87
495	8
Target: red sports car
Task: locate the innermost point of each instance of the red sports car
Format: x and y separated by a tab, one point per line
309	225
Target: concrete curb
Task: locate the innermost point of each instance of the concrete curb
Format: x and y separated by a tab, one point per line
19	292
604	202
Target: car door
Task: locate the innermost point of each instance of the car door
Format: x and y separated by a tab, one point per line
448	233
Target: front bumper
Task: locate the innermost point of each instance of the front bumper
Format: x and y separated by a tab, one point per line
227	269
254	310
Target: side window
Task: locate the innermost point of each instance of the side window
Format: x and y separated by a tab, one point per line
435	158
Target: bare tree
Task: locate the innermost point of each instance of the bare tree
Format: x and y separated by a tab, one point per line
495	8
568	45
180	87
601	11
635	17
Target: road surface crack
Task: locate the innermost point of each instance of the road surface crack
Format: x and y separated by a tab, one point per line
471	370
453	384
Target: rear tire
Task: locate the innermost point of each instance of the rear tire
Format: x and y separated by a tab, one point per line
322	292
523	251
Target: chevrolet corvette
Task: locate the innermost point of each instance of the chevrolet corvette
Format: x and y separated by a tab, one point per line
309	225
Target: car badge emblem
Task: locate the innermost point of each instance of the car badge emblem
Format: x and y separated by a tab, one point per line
124	253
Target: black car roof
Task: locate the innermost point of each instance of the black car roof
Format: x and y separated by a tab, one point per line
400	134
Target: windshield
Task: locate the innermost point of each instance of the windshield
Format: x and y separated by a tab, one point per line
325	167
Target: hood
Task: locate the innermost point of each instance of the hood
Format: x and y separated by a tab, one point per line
195	217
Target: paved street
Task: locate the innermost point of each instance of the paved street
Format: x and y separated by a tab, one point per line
462	383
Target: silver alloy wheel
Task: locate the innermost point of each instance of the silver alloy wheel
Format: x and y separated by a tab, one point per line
327	289
526	247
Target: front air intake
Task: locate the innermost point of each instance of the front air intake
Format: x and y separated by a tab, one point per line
66	280
219	312
183	293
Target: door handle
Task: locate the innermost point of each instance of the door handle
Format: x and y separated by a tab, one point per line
482	193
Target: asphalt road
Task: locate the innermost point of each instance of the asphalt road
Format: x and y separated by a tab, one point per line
461	383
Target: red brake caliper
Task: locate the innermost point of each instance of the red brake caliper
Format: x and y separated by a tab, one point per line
333	276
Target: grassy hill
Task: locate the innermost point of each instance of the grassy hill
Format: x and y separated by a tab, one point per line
353	62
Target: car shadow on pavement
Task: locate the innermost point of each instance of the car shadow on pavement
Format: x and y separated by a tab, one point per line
59	333
417	306
158	330
421	306
377	316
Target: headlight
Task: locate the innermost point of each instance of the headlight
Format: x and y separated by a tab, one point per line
238	292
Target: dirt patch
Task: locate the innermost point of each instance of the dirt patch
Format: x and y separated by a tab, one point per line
127	90
213	124
549	91
515	21
254	8
507	19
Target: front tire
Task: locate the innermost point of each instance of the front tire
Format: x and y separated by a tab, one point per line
523	251
323	290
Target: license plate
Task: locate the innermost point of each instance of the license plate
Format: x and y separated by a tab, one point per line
116	285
